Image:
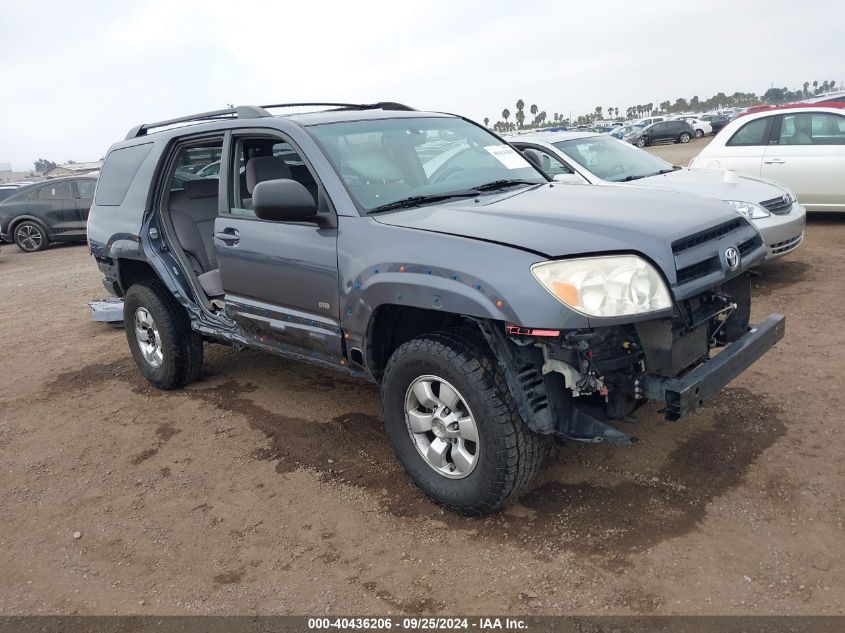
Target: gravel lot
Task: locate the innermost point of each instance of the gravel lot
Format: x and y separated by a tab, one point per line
268	486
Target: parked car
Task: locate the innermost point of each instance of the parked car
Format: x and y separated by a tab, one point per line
717	121
598	160
7	190
803	148
50	211
620	132
702	128
346	252
662	132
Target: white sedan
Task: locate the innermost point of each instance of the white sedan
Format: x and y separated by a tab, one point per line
803	148
701	126
597	159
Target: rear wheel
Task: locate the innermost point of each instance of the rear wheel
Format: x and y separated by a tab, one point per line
158	330
684	137
31	237
453	424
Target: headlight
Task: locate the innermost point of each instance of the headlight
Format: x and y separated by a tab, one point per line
749	209
610	286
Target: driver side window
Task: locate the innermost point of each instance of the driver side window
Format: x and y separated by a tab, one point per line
551	165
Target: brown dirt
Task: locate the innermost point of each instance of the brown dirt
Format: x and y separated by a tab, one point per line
268	486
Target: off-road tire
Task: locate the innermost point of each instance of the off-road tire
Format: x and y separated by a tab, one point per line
510	452
30	229
684	137
181	347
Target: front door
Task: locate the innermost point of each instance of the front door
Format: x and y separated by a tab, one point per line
84	199
55	205
807	153
280	278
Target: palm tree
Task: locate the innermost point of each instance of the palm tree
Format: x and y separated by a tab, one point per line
815	87
486	121
533	109
520	117
832	85
598	112
806	88
506	114
520	104
542	117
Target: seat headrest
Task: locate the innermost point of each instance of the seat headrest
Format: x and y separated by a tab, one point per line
263	168
201	188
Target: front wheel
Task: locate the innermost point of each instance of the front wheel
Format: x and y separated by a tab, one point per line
684	137
31	237
641	142
453	425
158	330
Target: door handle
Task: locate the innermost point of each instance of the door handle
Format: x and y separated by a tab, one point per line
228	236
774	161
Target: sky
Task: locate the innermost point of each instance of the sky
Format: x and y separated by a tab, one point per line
78	75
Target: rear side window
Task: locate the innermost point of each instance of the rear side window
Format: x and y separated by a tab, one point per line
753	133
57	191
118	172
86	188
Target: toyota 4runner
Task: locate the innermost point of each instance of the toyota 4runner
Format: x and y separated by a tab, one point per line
422	252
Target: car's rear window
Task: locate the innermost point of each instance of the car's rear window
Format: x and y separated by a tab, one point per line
118	172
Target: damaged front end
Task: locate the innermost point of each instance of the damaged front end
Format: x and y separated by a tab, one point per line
576	384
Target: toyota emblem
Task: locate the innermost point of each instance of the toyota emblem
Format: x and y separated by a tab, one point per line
732	258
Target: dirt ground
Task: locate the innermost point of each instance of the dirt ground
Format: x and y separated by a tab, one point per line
268	486
680	153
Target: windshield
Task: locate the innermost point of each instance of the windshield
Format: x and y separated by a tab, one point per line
612	160
383	161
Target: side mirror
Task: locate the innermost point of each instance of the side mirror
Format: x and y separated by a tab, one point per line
283	200
534	157
571	179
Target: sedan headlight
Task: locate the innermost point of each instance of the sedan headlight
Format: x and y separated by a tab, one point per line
749	209
609	286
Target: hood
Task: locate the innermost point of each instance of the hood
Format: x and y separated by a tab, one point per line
564	220
710	183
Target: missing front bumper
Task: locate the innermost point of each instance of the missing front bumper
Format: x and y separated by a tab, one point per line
684	394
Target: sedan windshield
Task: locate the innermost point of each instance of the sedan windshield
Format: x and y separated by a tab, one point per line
613	160
395	163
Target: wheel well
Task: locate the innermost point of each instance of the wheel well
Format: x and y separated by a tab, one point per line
133	271
16	221
392	325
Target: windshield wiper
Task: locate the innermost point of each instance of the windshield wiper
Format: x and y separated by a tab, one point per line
657	173
415	201
502	184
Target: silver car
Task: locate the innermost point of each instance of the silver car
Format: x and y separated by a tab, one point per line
597	159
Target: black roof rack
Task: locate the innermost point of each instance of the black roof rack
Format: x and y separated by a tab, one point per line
257	112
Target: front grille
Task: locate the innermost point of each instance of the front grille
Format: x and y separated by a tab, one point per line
699	258
778	206
708	235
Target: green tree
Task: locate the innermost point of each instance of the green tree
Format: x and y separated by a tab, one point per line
815	87
506	114
806	88
533	109
598	112
520	105
486	121
42	165
520	117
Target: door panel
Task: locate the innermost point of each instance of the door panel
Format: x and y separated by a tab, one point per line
281	283
55	205
809	157
84	200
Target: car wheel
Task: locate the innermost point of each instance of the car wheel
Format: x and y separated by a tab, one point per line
31	237
684	137
699	133
453	425
158	330
641	142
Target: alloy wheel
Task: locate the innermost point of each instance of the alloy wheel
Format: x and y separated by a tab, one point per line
29	237
148	338
442	427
